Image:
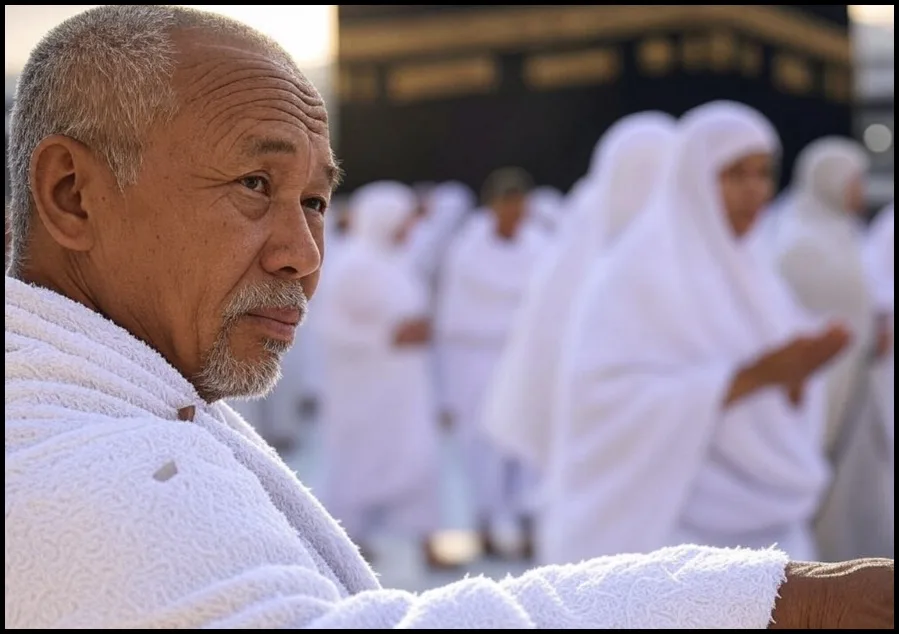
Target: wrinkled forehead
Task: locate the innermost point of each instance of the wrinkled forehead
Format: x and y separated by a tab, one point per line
238	98
220	78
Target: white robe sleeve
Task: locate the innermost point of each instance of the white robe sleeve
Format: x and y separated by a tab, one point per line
160	527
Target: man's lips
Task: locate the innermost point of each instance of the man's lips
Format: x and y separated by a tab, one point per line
279	323
287	316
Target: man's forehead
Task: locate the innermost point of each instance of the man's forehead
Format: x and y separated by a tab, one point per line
212	64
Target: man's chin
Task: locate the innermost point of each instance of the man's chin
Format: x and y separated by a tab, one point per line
250	377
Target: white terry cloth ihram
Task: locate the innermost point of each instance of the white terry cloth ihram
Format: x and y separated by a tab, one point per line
818	249
379	415
625	170
646	454
119	515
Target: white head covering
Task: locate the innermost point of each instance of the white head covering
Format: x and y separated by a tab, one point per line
643	440
628	161
378	211
823	173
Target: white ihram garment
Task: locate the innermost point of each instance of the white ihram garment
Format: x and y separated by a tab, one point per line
379	418
819	247
483	281
624	171
818	250
646	453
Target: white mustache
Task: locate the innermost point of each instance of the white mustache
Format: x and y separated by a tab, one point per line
267	295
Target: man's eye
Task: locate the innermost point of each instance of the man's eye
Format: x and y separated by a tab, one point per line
318	205
258	184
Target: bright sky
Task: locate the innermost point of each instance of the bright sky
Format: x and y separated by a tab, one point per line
308	32
874	13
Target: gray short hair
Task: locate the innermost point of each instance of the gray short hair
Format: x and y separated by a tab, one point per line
103	77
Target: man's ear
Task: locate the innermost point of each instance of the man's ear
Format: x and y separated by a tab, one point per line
65	178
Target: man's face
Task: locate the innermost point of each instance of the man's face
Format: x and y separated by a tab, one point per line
747	186
220	241
510	208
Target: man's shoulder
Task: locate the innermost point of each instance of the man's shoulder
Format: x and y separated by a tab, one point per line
62	452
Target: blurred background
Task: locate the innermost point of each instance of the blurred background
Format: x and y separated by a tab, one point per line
455	90
425	94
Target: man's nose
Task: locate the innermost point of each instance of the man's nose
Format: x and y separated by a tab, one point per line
292	251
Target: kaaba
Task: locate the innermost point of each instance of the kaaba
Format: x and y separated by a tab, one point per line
435	92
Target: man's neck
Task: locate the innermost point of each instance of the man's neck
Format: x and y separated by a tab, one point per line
62	284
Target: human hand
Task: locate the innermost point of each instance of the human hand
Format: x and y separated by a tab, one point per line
855	594
791	365
413	332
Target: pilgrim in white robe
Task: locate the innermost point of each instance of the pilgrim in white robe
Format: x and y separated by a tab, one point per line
624	171
646	452
379	417
483	281
130	503
446	206
819	250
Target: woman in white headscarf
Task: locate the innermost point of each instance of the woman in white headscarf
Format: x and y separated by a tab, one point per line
819	246
625	170
685	414
379	424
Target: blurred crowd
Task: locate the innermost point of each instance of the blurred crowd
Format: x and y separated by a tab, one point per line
666	353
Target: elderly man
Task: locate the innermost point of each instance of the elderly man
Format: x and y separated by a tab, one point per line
170	170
